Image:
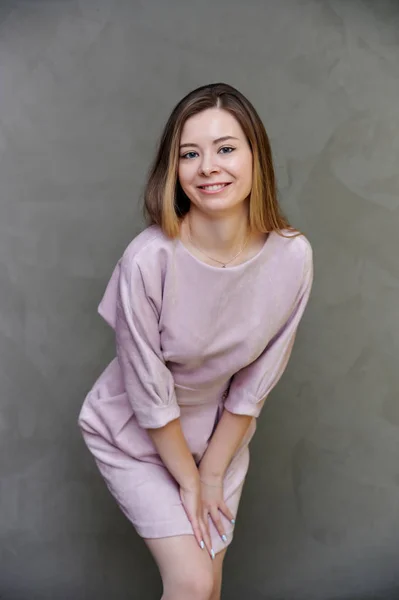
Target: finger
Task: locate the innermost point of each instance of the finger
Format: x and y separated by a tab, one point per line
215	515
207	537
198	533
207	534
224	509
206	517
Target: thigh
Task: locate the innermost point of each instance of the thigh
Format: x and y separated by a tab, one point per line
217	574
183	566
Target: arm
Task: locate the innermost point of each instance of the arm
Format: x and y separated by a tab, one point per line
251	386
172	447
225	441
151	391
148	382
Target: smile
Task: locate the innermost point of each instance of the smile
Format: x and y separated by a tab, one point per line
211	189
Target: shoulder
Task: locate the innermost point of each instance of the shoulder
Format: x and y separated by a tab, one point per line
295	249
147	240
147	251
293	264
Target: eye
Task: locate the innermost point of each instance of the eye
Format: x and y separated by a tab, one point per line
228	148
187	155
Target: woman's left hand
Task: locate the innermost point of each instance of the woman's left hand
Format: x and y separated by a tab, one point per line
213	502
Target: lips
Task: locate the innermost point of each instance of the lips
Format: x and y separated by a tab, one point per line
211	185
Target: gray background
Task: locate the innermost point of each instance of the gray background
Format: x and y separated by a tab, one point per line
86	87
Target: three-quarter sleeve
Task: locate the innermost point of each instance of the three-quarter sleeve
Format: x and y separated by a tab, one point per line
148	382
251	385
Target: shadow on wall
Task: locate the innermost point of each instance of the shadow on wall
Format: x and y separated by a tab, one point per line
239	591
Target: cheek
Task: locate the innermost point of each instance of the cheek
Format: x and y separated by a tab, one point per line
185	174
180	175
244	172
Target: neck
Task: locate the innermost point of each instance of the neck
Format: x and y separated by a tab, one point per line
220	235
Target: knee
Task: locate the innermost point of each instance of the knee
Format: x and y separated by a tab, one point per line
195	585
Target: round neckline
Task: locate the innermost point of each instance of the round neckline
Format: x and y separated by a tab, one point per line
234	268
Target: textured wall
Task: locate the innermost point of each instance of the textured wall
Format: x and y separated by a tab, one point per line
85	87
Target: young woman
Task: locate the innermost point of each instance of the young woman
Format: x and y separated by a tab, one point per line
205	303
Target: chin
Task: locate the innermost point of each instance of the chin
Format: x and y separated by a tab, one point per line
214	205
220	209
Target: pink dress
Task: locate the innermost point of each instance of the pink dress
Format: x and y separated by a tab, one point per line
191	340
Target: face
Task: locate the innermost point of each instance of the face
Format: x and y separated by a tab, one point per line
215	162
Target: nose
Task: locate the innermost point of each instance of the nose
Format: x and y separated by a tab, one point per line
208	166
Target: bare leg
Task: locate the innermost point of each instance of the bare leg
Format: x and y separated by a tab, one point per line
186	570
217	575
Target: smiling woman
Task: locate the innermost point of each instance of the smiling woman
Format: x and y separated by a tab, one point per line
205	304
217	178
214	163
234	125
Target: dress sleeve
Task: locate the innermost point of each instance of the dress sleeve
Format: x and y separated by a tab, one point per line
251	385
148	382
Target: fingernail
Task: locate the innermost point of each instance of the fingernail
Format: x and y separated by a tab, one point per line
202	544
212	554
233	521
224	538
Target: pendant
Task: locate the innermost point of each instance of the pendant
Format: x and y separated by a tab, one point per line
223	266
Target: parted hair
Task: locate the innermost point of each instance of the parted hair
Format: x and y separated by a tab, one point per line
165	203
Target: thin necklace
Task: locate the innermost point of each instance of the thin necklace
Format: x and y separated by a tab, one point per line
224	264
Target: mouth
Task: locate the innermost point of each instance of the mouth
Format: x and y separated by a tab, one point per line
213	188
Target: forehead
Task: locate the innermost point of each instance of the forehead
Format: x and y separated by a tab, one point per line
211	124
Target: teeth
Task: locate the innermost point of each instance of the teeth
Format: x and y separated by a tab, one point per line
213	188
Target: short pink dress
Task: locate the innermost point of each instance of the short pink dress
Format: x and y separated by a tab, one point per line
191	341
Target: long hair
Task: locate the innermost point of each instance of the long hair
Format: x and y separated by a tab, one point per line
165	203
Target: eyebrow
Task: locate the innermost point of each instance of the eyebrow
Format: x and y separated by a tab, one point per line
217	141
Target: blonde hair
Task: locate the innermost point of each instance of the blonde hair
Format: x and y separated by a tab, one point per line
165	203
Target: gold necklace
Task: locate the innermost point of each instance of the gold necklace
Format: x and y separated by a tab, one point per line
224	264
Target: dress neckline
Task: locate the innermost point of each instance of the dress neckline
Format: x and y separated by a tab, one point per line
233	268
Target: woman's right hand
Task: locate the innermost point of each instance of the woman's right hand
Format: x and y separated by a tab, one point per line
192	503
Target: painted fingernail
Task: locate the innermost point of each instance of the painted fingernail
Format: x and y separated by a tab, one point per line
213	554
224	538
233	521
202	544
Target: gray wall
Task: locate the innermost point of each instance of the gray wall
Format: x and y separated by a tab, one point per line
86	86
